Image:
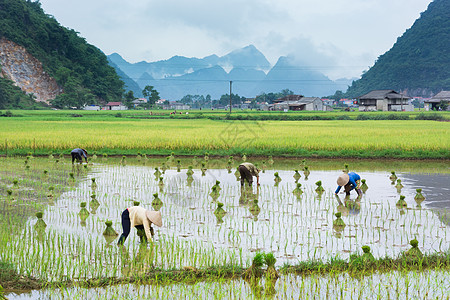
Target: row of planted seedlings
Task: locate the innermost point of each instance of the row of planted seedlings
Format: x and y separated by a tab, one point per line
392	285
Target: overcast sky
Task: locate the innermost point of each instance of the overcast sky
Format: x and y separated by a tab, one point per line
338	37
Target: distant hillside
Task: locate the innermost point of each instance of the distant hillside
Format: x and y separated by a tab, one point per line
286	74
246	67
32	39
419	61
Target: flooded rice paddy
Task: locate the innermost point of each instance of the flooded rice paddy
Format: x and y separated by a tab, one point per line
272	218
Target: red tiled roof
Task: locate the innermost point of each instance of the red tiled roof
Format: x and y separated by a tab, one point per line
114	104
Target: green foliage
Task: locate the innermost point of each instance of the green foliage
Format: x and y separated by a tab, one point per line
152	95
79	68
418	60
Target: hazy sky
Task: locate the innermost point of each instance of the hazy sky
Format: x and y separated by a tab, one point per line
338	37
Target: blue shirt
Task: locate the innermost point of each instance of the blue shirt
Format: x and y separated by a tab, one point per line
353	178
79	151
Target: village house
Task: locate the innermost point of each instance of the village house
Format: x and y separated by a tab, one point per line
139	101
297	103
384	100
433	103
115	106
172	105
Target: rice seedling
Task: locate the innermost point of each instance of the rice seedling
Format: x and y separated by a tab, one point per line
277	178
255	209
109	231
214	193
345	170
401	202
297	176
319	188
399	185
157	174
203	169
306	172
338	224
393	176
40	223
156	203
414	253
190	172
364	186
419	197
254	272
219	210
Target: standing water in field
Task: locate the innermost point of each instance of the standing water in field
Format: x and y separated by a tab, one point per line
289	220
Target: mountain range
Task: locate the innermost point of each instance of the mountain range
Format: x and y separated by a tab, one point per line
248	69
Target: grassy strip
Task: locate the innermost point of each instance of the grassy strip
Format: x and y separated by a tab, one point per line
357	265
11	280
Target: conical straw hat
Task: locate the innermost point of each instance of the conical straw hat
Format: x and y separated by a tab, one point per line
154	217
343	179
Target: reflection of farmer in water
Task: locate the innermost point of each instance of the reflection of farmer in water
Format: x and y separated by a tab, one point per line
247	171
78	154
349	181
352	207
140	218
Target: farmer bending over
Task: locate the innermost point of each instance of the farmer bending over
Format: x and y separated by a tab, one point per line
78	154
349	181
247	171
140	218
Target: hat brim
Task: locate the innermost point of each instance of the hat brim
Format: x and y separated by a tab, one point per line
343	179
154	217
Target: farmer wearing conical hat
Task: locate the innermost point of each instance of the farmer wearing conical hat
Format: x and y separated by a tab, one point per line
79	153
140	218
349	181
247	171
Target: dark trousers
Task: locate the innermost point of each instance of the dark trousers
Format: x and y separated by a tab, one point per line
126	227
76	156
245	175
126	224
348	187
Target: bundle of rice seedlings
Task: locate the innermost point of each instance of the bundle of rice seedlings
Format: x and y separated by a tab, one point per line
297	175
401	202
254	272
109	231
338	224
419	197
270	260
319	188
393	177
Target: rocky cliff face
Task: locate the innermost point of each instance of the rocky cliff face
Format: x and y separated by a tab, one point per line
26	72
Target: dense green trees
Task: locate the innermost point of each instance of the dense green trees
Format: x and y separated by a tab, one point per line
151	94
79	68
419	60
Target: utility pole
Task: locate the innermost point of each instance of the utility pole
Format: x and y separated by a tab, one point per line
401	102
230	96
